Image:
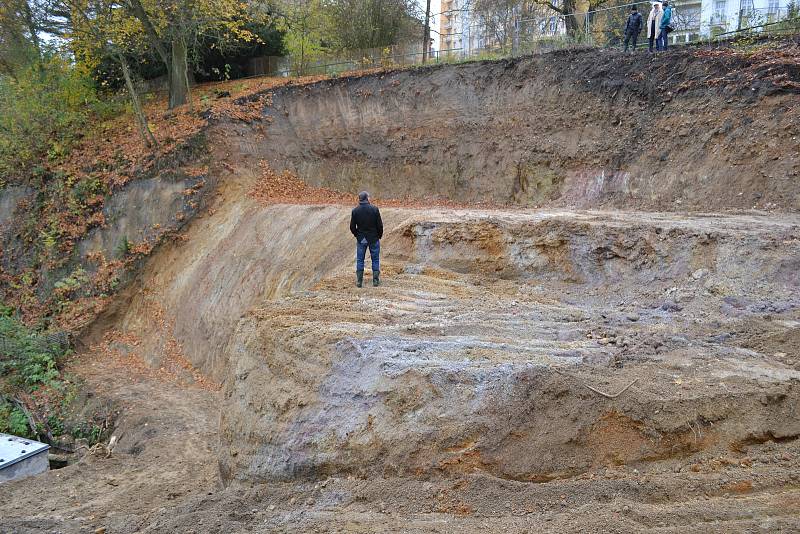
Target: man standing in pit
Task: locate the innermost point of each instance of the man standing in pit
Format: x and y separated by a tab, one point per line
366	225
632	27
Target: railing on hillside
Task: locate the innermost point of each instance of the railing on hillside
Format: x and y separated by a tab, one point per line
603	27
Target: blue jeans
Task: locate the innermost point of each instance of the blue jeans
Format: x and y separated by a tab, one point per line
661	41
374	254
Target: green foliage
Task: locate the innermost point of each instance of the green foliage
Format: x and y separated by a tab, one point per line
90	432
19	25
49	237
73	282
29	367
124	247
791	22
88	187
27	359
56	424
305	24
45	109
13	420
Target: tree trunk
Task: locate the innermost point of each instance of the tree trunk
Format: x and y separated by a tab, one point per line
572	26
178	77
175	59
141	119
426	37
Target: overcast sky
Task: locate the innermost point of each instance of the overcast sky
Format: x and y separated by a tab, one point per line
435	7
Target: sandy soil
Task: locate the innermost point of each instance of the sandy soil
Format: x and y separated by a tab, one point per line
163	475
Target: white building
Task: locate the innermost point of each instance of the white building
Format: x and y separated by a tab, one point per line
708	18
460	31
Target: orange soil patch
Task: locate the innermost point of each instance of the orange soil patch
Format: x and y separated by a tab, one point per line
287	188
109	355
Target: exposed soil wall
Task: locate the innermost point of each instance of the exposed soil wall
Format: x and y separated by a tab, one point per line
643	364
572	128
473	356
329	382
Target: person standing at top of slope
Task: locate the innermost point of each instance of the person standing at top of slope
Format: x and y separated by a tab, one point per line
665	27
653	24
632	27
366	225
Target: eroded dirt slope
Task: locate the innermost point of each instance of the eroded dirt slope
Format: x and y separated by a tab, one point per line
572	128
474	355
457	396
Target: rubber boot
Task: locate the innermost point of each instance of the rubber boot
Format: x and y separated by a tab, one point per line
359	278
376	278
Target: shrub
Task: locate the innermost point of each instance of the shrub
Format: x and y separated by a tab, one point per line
26	359
45	109
13	420
29	370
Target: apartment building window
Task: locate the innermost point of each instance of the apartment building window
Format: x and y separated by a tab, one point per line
747	7
773	7
718	17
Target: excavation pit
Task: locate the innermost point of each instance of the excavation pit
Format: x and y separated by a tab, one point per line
527	346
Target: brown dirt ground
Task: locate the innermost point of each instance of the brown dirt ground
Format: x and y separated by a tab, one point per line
163	475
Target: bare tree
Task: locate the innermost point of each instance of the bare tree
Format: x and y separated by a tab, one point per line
568	9
686	18
496	19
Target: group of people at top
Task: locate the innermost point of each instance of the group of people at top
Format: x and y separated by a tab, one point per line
659	24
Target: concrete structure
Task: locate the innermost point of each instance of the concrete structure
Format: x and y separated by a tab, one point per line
20	457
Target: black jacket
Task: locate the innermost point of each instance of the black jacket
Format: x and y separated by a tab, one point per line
365	221
634	24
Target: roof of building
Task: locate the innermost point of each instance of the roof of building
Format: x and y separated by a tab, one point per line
14	449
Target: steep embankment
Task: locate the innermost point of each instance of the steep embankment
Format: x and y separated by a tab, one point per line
474	356
573	128
468	133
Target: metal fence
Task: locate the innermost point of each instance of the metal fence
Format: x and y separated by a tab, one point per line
333	62
603	27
